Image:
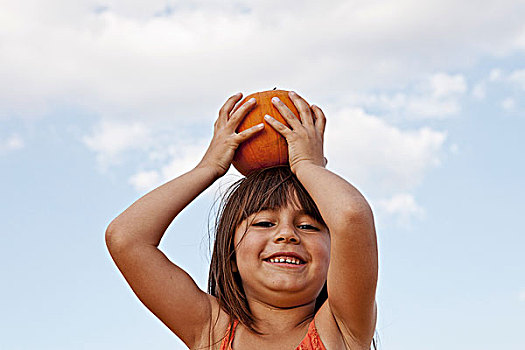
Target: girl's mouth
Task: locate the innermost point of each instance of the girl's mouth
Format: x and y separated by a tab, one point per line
288	261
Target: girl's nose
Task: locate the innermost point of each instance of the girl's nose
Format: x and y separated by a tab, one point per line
287	236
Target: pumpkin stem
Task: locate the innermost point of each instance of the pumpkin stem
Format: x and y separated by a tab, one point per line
275	88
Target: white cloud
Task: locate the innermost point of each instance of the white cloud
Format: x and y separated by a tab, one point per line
498	78
495	74
518	77
11	143
508	104
145	180
445	85
436	97
422	107
381	158
110	140
177	159
161	59
479	91
402	207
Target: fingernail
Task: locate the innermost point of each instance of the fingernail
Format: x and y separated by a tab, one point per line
292	93
252	100
258	126
267	117
275	99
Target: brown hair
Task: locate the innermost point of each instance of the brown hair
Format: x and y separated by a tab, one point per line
271	188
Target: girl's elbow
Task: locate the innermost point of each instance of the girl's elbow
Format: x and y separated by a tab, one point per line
113	236
359	211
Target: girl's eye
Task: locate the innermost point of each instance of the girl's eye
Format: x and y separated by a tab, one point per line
308	227
263	224
270	224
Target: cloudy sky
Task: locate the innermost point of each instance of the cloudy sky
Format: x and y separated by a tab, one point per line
102	101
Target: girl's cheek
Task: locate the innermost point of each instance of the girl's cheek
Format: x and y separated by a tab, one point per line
249	246
324	249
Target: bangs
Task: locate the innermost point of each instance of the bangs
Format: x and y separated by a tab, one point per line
273	189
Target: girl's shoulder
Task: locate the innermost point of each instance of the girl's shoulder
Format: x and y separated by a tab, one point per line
215	330
332	332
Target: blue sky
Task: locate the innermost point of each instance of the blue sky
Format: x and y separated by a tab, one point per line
103	101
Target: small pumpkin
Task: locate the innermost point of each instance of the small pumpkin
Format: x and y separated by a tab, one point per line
267	148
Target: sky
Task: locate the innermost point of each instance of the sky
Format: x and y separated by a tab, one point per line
102	101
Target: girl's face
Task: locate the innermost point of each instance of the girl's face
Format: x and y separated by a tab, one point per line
283	257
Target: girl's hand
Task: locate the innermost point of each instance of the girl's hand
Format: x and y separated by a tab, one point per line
225	140
305	138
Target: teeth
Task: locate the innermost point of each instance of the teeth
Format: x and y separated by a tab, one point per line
287	260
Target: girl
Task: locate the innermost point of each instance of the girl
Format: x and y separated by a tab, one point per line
294	263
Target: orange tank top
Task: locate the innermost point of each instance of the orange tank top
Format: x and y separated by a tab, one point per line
310	342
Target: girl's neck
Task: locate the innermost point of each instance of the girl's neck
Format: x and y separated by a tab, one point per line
273	320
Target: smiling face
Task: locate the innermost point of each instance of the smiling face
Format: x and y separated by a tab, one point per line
282	256
282	229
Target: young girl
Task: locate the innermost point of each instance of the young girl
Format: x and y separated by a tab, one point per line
294	263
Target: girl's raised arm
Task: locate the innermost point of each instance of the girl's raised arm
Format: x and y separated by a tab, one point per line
134	236
353	270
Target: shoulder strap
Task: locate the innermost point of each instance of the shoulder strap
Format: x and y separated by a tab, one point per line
311	341
228	337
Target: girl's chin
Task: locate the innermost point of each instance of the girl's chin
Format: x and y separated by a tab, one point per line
288	300
287	287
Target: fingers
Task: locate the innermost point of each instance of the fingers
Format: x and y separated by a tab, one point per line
241	112
225	110
304	109
287	114
320	119
235	109
246	134
278	126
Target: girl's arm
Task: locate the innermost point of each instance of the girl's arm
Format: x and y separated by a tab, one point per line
352	274
353	270
163	287
134	236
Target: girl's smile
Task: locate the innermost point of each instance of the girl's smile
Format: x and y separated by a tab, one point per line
287	259
282	250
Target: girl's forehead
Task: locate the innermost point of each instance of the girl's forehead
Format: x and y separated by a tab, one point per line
286	198
295	211
290	208
292	204
290	200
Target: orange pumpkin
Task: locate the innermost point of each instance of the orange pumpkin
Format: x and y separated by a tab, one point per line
267	148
